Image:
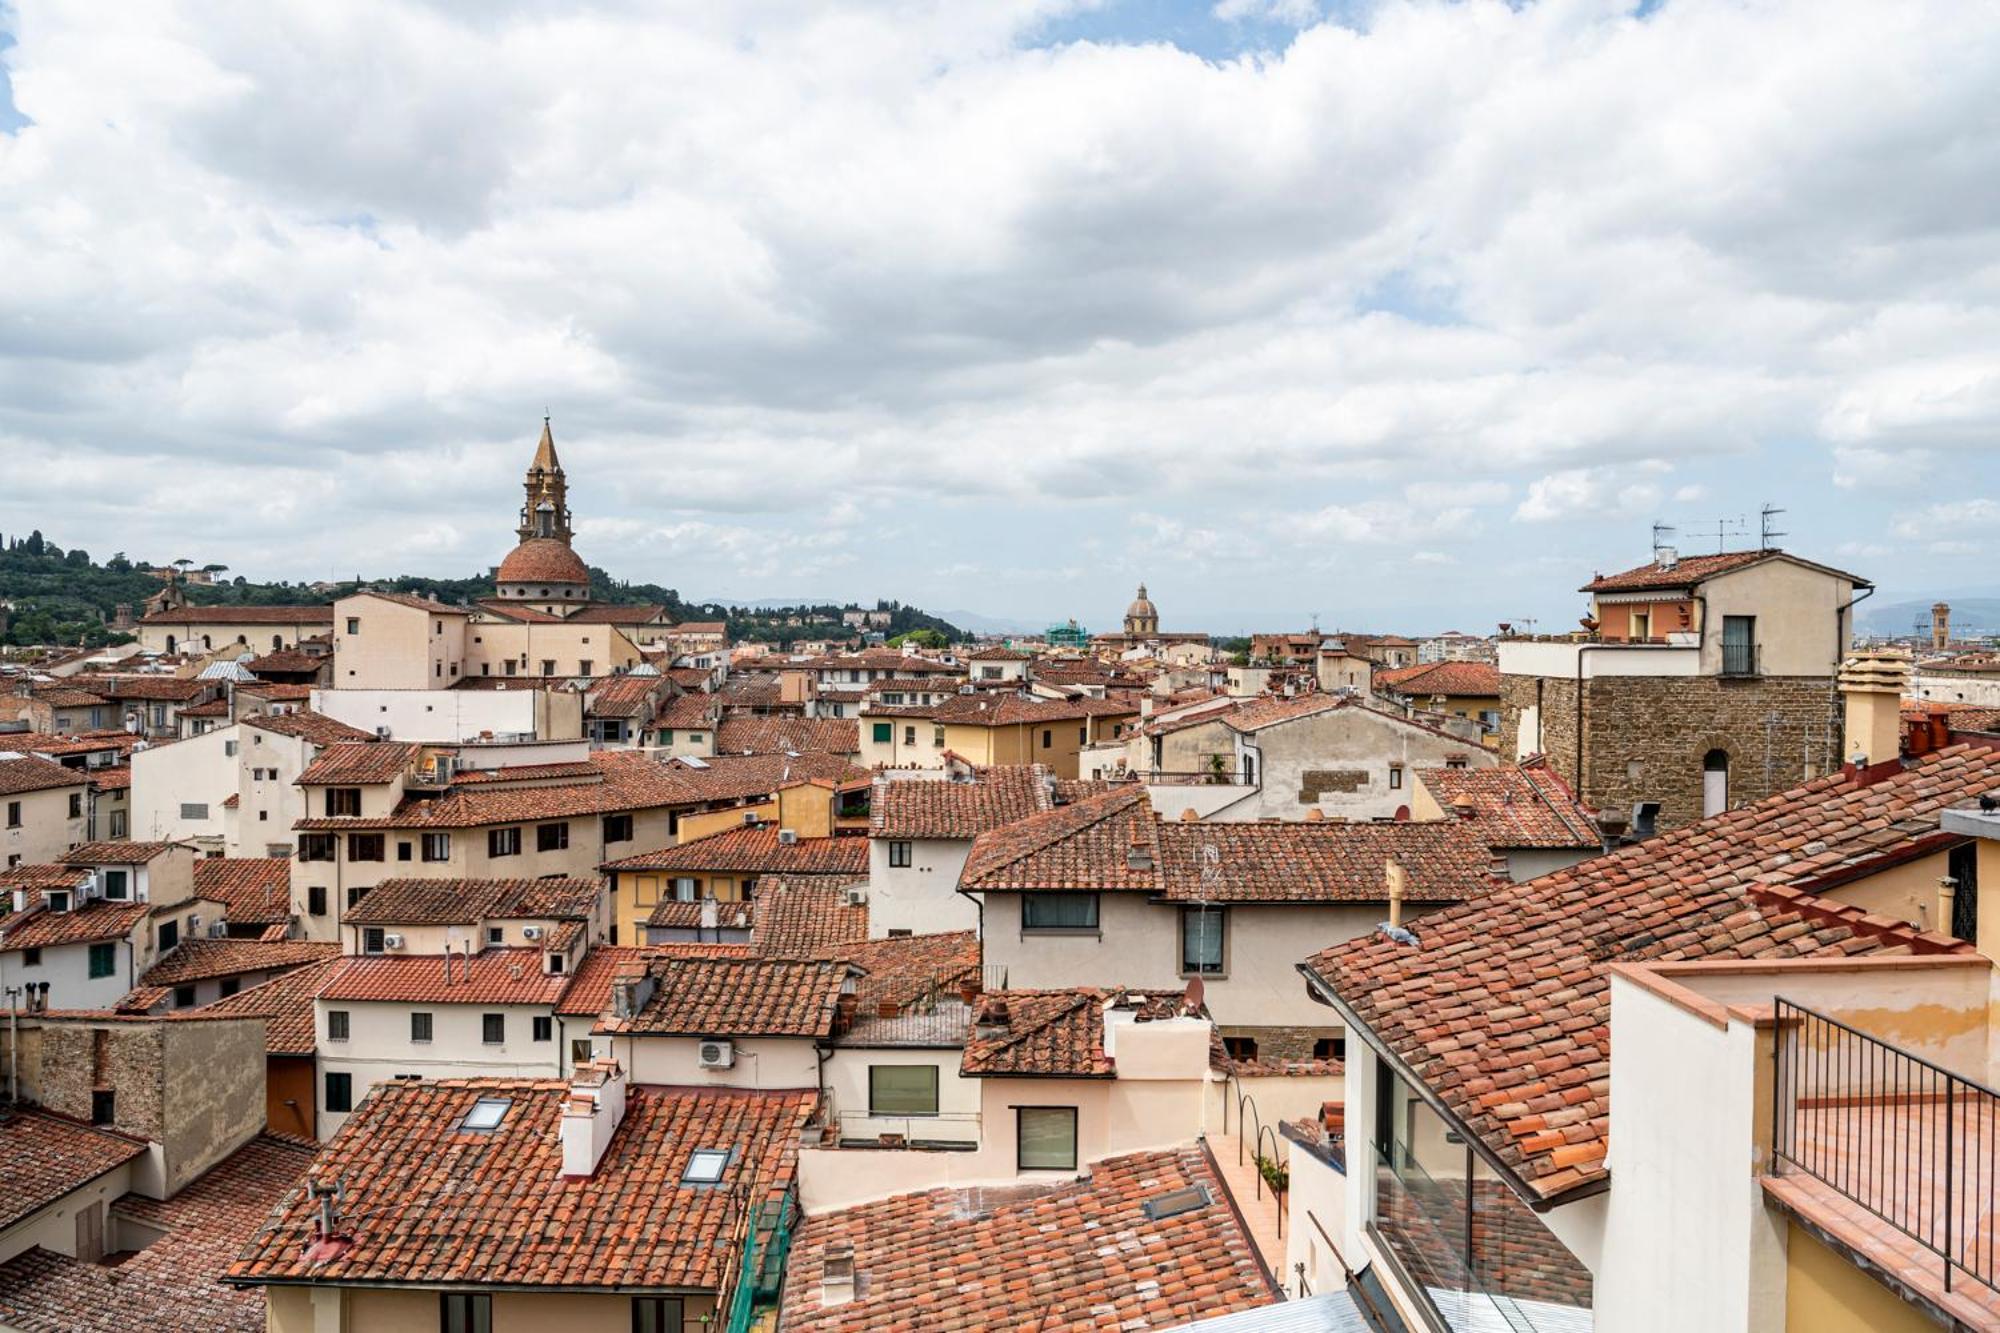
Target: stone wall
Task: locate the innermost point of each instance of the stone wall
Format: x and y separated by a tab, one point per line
1646	737
1278	1043
126	1059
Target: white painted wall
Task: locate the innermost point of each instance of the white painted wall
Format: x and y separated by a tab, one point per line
378	1046
1521	658
761	1062
201	771
923	897
433	715
846	1087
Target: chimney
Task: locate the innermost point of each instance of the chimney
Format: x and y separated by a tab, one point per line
711	913
1611	826
591	1116
1188	816
1139	856
1872	684
836	1275
1398	883
993	1018
1315	815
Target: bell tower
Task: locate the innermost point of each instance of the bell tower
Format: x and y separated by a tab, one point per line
545	512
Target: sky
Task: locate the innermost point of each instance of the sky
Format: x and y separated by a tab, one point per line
1383	314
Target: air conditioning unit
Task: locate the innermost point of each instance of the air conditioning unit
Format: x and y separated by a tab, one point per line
392	941
194	924
749	816
218	930
382	733
91	887
715	1055
531	932
857	895
788	836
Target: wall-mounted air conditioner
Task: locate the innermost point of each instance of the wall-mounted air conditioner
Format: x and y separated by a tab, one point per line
715	1055
531	932
392	941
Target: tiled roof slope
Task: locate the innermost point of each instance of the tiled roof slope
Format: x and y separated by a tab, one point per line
462	902
285	1003
118	853
1080	1254
92	923
31	773
927	808
736	997
491	976
255	889
1692	569
777	733
1518	806
427	1203
172	1283
1503	1007
358	762
240	615
1090	846
807	916
907	966
756	850
43	1157
589	990
1474	678
1048	1033
200	959
315	727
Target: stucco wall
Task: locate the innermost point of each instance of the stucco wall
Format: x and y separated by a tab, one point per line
46	830
200	770
391	1310
761	1062
922	897
421	714
378	1046
846	1085
1826	1293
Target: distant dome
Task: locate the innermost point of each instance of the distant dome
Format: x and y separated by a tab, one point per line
543	560
1142	609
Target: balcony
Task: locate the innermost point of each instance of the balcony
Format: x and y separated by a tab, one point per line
1893	1157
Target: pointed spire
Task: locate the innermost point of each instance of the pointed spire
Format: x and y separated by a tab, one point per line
545	450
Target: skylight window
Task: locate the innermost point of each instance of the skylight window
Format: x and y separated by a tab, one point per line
485	1115
1176	1202
705	1166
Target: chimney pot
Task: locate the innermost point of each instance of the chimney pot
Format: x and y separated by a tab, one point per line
1398	882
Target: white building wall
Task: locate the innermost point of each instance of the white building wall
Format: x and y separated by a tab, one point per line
268	805
441	716
846	1086
199	771
761	1062
378	1046
922	897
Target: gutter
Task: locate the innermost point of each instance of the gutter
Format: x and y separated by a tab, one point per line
1320	992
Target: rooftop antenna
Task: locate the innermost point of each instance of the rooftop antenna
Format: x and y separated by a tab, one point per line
1764	524
1663	534
1725	528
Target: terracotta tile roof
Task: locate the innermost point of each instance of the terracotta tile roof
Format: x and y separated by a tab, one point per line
807	916
213	708
29	773
495	976
241	615
358	763
902	969
315	727
163	689
1456	678
83	742
589	989
924	807
285	1003
427	1203
254	888
702	627
286	661
687	914
1088	846
119	853
1054	1033
67	696
464	902
1078	1254
782	734
413	601
1693	569
93	923
170	1284
275	693
581	768
201	959
1517	806
736	997
622	696
643	613
518	612
688	712
45	1156
1502	1007
756	850
112	777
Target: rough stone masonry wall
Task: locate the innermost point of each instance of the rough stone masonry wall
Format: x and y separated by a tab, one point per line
78	1058
1645	737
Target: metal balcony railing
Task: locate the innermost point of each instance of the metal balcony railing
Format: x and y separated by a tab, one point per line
1908	1140
1739	659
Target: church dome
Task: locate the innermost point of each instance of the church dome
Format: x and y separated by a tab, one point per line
543	560
1142	609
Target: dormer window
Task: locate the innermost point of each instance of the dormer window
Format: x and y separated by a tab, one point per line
556	963
57	900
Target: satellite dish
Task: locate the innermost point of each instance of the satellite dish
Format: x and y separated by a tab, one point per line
1195	992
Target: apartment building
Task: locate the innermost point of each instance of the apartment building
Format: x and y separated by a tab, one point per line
44	808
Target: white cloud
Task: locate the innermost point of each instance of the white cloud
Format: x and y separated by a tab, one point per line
1950	518
894	271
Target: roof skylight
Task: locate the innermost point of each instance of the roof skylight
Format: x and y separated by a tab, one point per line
485	1115
705	1166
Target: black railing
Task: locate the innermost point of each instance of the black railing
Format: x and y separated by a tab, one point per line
1906	1139
1739	659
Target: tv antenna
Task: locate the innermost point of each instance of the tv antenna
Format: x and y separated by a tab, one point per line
1663	538
1764	526
1725	528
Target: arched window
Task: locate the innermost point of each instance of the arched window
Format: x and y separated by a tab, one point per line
170	643
277	642
204	641
1714	783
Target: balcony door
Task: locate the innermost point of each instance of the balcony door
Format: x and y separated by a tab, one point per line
1714	783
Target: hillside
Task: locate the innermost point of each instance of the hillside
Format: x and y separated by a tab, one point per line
64	596
1971	617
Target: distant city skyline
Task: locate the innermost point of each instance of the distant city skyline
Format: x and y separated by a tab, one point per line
1413	315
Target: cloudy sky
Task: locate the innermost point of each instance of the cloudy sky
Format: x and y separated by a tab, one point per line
1404	314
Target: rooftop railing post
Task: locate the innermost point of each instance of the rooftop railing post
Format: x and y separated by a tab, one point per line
1950	1186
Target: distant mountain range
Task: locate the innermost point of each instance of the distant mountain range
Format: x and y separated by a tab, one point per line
1974	616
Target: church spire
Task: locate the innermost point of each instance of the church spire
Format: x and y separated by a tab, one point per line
546	510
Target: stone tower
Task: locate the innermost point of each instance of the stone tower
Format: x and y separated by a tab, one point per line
1940	625
545	511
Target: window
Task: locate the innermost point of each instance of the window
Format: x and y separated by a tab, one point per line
684	890
548	666
116	884
1240	1048
228	986
420	1027
694	738
1739	645
503	842
486	1114
899	855
1395	777
551	837
618	828
885	734
372	939
1048	738
169	935
316	900
705	1166
354	624
544	1028
437	846
902	1090
103	959
1457	761
13	814
583	667
496	935
118	824
76	805
910	734
343	802
1045	1138
31	958
364	847
493	1029
937	738
355	893
558	964
1059	911
465	1312
315	846
103	1106
403	851
657	1314
1201	939
1330	1048
336	1025
183	997
229	749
